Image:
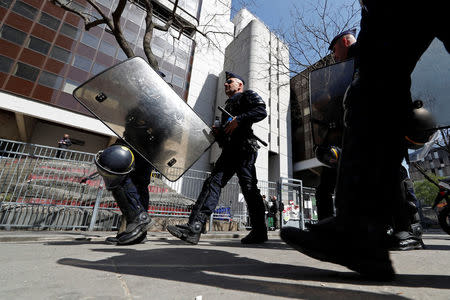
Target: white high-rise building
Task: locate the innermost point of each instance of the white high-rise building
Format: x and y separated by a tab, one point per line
262	59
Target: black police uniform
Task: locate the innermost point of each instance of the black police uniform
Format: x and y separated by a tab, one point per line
393	36
239	153
127	175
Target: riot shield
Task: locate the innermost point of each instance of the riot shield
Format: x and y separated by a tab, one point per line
327	88
430	82
143	110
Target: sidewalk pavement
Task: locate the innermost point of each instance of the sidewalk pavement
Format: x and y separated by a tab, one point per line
79	265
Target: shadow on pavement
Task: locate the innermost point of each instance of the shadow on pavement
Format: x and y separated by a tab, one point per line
437	247
225	270
271	244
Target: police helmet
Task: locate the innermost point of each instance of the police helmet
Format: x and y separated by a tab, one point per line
328	155
114	163
421	126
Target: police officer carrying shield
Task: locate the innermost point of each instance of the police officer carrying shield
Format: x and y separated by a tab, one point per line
127	175
239	152
343	47
378	111
404	230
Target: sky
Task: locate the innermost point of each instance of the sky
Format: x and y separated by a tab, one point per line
273	15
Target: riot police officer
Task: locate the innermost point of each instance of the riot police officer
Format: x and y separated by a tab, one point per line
127	176
378	109
404	230
239	152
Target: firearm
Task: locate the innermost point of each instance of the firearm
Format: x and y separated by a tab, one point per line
231	116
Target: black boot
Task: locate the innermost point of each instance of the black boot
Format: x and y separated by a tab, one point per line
257	215
136	230
184	232
112	240
405	240
191	231
256	236
356	254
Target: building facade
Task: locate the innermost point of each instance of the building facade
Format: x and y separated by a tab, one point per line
437	162
45	53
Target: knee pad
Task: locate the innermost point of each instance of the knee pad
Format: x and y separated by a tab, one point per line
114	164
417	230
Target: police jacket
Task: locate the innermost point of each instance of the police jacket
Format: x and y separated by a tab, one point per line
248	108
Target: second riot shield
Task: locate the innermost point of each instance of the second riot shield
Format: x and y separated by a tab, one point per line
327	89
142	109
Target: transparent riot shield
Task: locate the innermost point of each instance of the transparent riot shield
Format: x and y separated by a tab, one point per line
430	82
142	109
327	89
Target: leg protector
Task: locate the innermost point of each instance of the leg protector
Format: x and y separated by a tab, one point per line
136	216
256	209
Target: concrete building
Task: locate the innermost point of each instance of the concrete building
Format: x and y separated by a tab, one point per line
437	162
45	53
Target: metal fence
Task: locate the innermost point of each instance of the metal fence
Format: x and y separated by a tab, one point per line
40	189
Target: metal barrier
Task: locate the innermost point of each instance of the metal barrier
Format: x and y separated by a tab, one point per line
40	189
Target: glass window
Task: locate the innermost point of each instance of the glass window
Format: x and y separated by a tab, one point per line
135	14
178	81
50	80
121	55
170	58
107	48
60	54
70	31
105	3
49	21
70	86
82	63
97	68
5	64
90	40
158	51
25	71
130	36
5	3
74	5
168	74
38	45
25	10
180	63
13	35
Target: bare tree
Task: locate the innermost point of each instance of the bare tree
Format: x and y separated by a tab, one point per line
444	141
314	25
93	15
